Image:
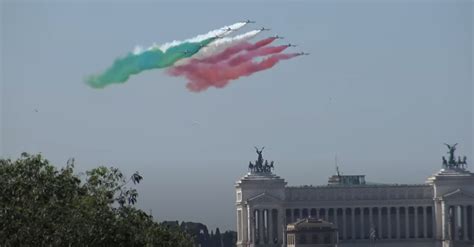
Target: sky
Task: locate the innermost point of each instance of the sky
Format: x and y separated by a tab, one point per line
386	84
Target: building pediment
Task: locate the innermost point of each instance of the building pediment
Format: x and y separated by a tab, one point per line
458	194
263	198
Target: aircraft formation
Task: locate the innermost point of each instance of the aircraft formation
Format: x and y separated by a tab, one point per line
208	60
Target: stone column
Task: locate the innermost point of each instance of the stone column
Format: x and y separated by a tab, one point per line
397	221
407	223
281	227
455	222
472	222
317	213
371	219
362	226
270	226
344	225
425	222
465	224
251	222
389	216
416	221
353	233
244	221
380	223
260	226
444	221
437	213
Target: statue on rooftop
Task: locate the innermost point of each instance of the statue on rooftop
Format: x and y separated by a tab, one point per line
251	166
260	165
260	156
451	151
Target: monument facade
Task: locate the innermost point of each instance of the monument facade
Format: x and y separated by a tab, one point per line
439	212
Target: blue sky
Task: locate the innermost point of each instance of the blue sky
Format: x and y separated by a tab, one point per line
385	85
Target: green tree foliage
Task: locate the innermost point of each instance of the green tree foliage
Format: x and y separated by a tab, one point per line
229	238
43	206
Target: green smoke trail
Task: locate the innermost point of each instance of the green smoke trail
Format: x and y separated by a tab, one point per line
132	64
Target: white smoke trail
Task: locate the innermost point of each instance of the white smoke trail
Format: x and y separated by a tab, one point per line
218	46
223	31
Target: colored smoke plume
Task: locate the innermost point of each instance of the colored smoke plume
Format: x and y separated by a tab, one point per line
220	74
243	46
220	32
132	64
219	45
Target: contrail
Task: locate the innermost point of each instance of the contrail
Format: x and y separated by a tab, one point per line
132	64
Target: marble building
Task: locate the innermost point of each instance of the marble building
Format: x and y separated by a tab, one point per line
439	212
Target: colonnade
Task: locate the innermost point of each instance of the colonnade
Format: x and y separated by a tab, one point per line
259	225
390	222
459	222
265	225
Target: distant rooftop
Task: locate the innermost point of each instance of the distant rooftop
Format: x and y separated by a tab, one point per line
346	180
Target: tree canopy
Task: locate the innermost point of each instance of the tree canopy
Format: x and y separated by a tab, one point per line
43	206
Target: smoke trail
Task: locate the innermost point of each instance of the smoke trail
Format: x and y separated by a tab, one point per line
223	31
255	53
218	46
243	46
195	64
219	75
132	64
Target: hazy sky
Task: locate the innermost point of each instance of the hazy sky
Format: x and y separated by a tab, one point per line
385	85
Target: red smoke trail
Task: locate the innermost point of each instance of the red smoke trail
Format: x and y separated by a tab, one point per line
219	75
194	69
222	56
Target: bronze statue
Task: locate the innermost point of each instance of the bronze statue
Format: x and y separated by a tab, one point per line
259	152
260	165
451	151
445	162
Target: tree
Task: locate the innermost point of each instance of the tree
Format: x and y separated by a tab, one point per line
217	238
229	238
43	206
